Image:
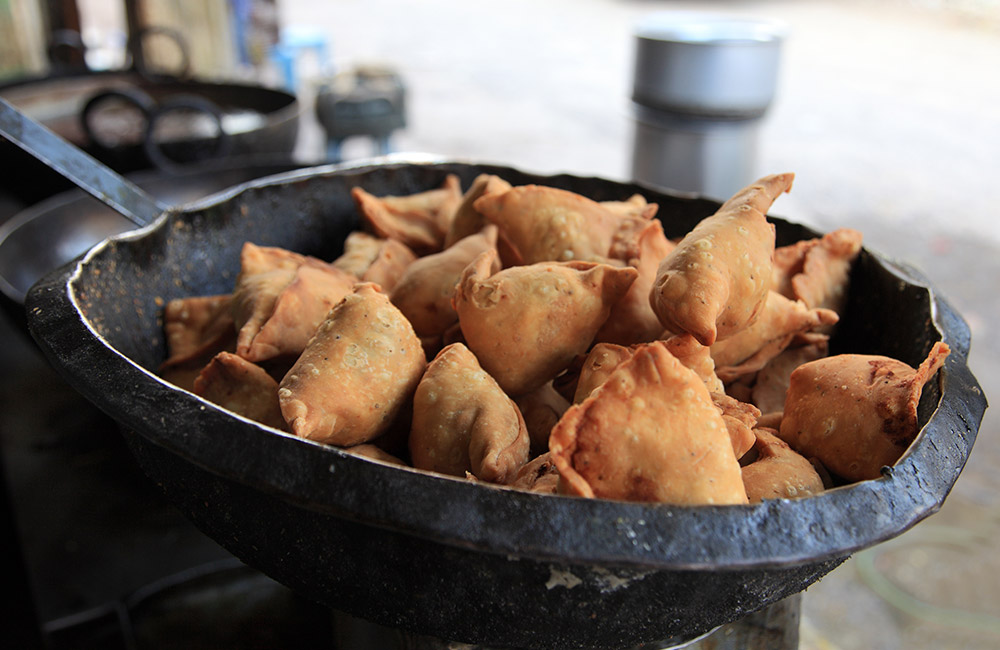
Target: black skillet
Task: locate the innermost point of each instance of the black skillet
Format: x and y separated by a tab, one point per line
442	556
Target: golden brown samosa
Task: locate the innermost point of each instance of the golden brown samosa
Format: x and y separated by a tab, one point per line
816	271
826	270
296	313
265	272
195	325
196	329
780	321
360	250
632	319
357	372
545	224
715	282
372	259
389	265
602	360
418	220
541	409
424	293
468	220
649	433
463	421
854	412
778	472
241	387
525	324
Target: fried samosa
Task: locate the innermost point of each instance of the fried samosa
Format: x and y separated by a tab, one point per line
816	271
463	421
356	373
196	329
525	324
778	472
602	360
715	282
265	272
242	387
779	322
468	220
545	224
424	293
826	270
632	319
854	412
297	311
649	433
418	220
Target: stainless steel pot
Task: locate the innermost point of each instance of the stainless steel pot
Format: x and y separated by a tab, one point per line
707	65
710	157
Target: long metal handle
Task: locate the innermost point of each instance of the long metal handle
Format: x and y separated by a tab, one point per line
82	169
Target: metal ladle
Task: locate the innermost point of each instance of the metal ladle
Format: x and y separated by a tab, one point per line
82	169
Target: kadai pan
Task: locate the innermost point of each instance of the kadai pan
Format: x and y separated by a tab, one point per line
446	557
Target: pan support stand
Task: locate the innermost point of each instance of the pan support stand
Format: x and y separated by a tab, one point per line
775	627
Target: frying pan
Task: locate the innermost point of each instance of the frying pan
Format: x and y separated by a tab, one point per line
238	120
438	555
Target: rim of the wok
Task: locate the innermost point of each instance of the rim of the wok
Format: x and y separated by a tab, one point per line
288	106
499	520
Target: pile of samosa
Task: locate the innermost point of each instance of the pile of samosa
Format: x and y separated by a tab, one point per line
531	337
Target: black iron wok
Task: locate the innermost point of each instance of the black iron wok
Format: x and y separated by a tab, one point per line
445	557
242	120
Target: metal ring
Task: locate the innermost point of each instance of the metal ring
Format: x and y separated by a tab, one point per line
135	42
130	95
195	103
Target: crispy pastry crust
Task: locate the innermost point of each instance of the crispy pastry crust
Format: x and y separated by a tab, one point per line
714	283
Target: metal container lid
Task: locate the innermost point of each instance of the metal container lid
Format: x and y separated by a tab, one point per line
709	65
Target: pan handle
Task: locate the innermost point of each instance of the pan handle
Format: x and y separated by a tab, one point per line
135	98
141	66
215	147
83	170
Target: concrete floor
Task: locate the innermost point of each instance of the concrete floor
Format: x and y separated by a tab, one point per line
890	117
